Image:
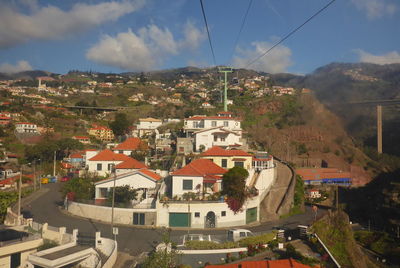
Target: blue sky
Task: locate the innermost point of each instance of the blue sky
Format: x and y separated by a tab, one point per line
144	35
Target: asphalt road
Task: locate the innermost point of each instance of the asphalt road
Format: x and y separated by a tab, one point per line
131	239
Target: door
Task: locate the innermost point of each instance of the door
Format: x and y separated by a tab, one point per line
210	220
15	260
138	218
179	219
251	215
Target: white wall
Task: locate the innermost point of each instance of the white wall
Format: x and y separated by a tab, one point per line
149	125
230	219
207	139
104	166
177	184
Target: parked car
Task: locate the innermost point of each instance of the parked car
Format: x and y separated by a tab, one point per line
53	179
65	178
44	180
238	234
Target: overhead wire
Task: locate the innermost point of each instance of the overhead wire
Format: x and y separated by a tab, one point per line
241	28
289	34
208	32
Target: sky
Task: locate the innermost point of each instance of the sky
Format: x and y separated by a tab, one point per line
145	35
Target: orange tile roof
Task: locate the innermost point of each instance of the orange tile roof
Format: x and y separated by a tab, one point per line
76	155
200	167
108	155
218	151
212	118
80	137
150	174
285	263
130	164
130	144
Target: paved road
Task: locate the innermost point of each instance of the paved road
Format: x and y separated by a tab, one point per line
132	240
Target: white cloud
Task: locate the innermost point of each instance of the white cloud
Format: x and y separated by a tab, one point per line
20	66
141	51
51	22
276	61
193	36
375	8
388	58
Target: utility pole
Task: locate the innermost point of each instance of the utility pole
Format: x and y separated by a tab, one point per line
225	70
54	164
113	200
34	175
379	127
19	194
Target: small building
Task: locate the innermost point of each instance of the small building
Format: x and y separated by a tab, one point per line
102	163
313	193
24	127
102	133
143	180
184	146
201	176
147	126
130	145
318	176
82	139
263	160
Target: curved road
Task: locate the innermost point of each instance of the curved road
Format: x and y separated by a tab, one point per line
131	239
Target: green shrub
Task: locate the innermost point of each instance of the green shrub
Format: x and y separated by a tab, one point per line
255	240
47	244
209	245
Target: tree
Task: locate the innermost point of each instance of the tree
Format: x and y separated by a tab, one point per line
234	187
120	124
82	188
123	194
141	152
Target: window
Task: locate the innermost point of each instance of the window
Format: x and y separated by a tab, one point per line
226	123
224	163
120	151
213	123
197	214
138	218
187	185
239	164
242	234
215	138
222	139
109	167
99	167
223	213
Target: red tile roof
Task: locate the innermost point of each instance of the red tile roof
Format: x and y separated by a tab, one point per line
130	164
286	263
108	155
218	151
81	137
130	144
150	174
200	167
212	118
76	155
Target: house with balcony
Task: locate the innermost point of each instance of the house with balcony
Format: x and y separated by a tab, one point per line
217	136
82	139
201	176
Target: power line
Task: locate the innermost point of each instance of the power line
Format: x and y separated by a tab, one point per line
208	32
241	27
291	33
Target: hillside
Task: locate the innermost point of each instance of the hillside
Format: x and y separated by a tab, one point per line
339	83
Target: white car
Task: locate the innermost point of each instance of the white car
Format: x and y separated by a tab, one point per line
238	234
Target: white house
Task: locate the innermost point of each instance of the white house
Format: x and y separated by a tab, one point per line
130	145
147	126
200	176
24	127
217	136
263	160
201	122
102	163
143	180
